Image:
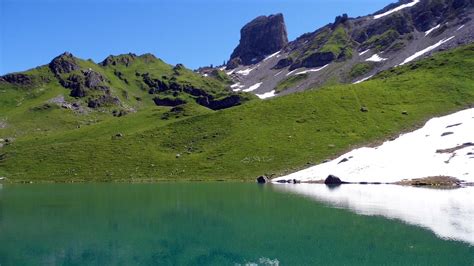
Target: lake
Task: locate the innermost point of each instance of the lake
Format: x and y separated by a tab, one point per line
234	224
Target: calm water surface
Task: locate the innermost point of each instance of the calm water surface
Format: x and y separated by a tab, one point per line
216	224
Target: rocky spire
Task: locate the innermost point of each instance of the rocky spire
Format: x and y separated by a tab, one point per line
262	36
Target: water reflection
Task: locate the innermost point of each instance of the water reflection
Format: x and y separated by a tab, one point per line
448	213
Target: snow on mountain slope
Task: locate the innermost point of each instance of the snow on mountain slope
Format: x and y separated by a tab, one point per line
443	147
396	35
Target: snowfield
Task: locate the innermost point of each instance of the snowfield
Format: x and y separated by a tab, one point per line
362	80
431	30
253	87
398	8
375	58
311	70
443	147
426	50
267	95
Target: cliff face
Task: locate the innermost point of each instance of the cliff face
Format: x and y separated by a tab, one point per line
262	36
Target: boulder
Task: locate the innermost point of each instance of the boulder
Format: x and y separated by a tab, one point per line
263	179
333	180
263	36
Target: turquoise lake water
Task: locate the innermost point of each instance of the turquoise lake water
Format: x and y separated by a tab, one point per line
205	224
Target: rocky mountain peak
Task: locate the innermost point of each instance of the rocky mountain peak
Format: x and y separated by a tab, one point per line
64	63
262	36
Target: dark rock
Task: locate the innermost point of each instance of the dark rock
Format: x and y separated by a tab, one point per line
126	60
224	103
103	100
167	101
454	125
262	36
405	113
262	179
343	161
64	63
283	63
333	180
17	79
340	20
93	79
447	134
364	109
234	63
318	59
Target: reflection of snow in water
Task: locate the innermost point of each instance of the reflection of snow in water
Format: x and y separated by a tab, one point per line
448	213
262	261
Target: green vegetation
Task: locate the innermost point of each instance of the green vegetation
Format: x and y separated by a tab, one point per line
382	41
338	43
360	69
290	82
272	137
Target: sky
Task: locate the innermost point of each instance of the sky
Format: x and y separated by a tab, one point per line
194	33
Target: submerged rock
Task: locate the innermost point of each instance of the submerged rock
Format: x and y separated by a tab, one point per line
263	179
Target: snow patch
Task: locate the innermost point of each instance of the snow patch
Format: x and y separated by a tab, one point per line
398	8
462	26
237	86
278	73
411	155
311	70
247	71
426	50
431	30
267	95
291	72
270	56
364	52
253	87
362	80
375	58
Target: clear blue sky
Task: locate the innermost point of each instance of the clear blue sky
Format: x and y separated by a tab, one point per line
192	32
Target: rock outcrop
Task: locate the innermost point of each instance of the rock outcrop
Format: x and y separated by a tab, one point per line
262	36
17	79
64	63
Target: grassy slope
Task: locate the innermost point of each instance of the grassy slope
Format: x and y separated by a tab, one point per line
260	137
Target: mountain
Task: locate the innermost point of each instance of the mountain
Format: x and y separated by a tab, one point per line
40	141
126	82
349	50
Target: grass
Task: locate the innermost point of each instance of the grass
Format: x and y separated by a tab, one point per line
339	42
270	137
382	41
290	82
360	69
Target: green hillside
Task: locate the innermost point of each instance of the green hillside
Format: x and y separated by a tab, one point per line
191	141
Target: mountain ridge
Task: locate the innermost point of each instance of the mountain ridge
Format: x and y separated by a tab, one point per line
354	49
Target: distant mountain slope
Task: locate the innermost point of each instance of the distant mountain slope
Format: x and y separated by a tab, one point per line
69	91
191	142
352	50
